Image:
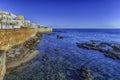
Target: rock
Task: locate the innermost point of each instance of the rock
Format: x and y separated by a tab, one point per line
68	73
11	55
112	54
84	73
44	57
79	44
93	41
39	35
17	53
31	42
56	49
108	49
49	50
1	51
17	50
59	37
49	34
116	48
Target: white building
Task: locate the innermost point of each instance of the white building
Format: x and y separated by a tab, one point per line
17	23
27	23
11	21
5	20
33	25
40	25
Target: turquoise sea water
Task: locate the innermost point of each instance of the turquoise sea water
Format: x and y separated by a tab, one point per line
61	64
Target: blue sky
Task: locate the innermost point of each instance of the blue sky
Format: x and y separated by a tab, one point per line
67	13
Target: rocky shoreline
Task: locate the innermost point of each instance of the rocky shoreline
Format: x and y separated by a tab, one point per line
18	48
84	73
111	50
22	53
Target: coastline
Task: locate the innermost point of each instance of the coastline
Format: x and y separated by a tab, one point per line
60	57
20	53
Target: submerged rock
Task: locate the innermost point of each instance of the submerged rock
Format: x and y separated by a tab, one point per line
84	73
44	57
59	37
56	49
39	34
109	49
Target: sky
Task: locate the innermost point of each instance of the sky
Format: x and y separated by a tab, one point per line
67	13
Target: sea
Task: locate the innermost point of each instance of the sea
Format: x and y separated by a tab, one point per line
59	58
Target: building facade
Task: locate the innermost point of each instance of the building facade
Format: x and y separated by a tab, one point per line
11	21
5	20
27	23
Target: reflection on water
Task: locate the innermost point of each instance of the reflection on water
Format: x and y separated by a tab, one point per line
59	58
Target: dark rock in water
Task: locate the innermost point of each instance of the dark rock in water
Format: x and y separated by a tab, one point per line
57	31
56	49
112	54
39	35
84	73
59	36
48	50
108	49
44	57
49	34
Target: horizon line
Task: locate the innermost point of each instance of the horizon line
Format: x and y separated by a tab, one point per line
86	28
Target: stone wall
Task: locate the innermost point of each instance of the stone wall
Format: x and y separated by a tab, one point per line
2	65
10	37
44	30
